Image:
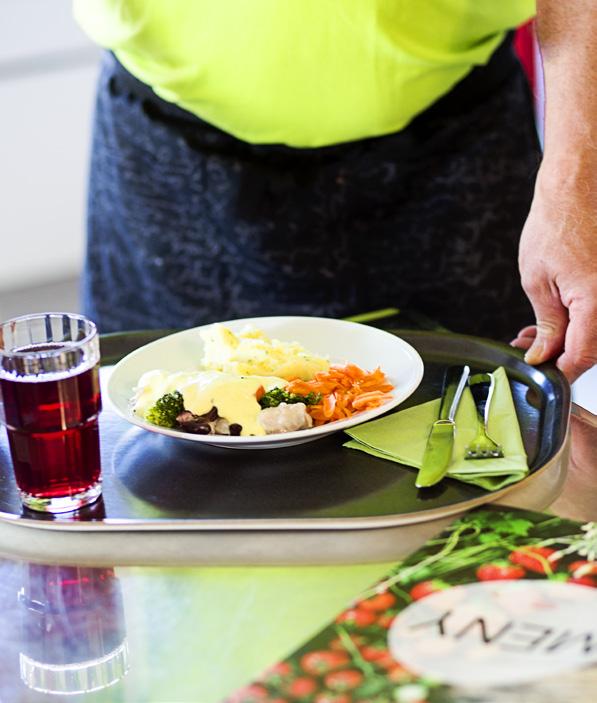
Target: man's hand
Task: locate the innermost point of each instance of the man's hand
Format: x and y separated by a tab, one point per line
558	265
558	247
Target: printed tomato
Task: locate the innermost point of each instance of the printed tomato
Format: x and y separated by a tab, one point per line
357	617
371	653
379	602
499	571
584	568
583	581
327	697
385	620
535	559
301	687
426	588
322	661
385	662
277	672
338	644
344	680
398	673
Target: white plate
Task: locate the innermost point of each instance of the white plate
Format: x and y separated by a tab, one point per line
339	340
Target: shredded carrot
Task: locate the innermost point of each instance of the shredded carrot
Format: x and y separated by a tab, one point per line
345	390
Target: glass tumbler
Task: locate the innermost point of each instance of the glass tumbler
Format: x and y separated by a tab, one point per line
73	629
50	402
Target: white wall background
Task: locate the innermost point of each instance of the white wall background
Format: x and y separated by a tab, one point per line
47	81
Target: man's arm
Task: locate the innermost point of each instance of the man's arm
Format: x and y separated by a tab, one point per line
558	248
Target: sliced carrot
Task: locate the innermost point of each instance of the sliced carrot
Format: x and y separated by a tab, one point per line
329	405
345	390
370	400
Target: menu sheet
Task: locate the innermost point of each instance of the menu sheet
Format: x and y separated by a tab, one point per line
501	606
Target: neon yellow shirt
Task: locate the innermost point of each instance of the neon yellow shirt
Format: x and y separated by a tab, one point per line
302	72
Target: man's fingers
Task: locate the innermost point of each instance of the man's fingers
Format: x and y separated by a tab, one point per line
525	337
524	343
552	321
529	331
581	341
570	334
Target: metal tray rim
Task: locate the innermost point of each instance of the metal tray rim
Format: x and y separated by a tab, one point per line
280	524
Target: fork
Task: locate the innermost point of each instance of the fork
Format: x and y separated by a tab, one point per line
482	386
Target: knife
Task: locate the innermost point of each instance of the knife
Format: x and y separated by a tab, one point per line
438	451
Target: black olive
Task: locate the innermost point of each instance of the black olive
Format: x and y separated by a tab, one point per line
185	416
195	427
235	429
212	415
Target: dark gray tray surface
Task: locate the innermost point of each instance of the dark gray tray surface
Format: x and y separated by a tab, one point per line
149	478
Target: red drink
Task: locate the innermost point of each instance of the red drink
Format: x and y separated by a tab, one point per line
50	397
53	433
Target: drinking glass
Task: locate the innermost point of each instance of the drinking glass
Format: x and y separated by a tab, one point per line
73	629
50	402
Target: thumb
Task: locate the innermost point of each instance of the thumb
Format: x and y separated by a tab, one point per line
552	321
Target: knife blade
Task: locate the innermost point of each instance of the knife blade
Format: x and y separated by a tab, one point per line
438	450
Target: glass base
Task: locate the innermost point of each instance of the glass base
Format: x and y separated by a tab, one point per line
62	504
78	677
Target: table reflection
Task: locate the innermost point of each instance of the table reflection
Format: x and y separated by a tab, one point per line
72	628
578	500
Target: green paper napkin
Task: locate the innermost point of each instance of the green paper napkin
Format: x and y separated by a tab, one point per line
402	437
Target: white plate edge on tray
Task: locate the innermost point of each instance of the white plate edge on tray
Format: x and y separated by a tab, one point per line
343	341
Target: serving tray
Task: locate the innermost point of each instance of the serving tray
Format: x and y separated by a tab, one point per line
156	483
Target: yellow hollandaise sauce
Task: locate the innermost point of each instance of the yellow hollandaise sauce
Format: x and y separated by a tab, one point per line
234	396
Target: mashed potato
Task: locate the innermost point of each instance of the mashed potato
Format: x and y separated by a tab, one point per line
251	352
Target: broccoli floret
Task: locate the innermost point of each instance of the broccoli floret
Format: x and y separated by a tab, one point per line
273	398
166	410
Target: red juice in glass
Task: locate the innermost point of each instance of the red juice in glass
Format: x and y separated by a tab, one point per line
53	433
51	402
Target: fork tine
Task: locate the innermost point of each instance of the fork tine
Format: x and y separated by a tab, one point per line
482	447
